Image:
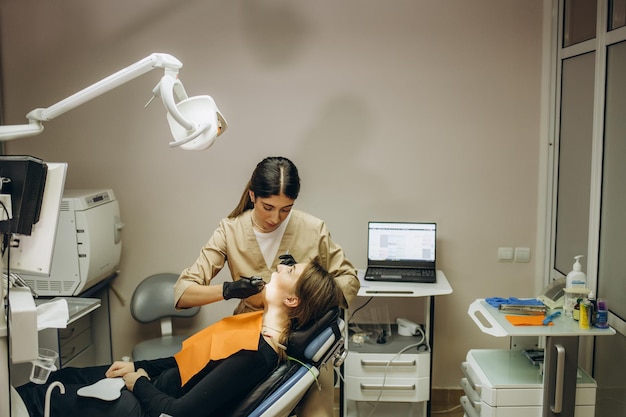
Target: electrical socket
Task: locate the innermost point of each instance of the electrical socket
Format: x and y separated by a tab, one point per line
522	254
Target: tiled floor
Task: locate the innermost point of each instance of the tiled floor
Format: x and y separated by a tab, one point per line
451	411
447	403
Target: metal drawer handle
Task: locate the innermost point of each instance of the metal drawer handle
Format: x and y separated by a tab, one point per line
68	355
560	376
377	387
68	333
476	387
365	362
472	395
467	407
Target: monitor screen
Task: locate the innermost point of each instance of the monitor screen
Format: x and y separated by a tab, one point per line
401	241
32	254
22	180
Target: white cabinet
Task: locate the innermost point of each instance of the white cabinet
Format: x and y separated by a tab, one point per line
398	379
86	341
559	397
504	383
392	378
73	340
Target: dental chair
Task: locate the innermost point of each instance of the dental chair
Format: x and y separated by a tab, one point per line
308	350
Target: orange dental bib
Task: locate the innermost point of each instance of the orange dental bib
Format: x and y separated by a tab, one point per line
219	341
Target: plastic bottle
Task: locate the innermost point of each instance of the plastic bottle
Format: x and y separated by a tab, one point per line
576	277
602	314
576	313
593	307
583	321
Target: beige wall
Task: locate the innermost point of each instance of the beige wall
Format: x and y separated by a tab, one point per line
395	110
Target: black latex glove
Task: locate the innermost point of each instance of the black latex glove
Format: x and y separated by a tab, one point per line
287	259
243	288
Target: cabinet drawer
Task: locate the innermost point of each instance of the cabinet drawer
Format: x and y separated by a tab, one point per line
378	365
72	347
485	410
74	328
83	359
387	389
506	378
470	391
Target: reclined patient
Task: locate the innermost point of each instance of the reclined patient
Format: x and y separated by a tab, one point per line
216	368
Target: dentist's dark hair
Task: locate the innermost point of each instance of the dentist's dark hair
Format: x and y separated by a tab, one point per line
275	175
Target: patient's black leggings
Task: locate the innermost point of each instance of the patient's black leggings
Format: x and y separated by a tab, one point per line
70	404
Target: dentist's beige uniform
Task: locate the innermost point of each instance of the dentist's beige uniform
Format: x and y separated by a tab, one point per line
305	237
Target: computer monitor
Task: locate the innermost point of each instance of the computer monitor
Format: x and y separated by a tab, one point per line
31	253
22	180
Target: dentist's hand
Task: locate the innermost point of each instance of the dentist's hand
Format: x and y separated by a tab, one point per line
243	288
119	368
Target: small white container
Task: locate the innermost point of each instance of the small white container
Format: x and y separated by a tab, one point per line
571	296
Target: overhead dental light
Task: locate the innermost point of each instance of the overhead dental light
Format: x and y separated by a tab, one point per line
195	122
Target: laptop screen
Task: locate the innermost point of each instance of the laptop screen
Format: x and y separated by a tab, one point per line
403	242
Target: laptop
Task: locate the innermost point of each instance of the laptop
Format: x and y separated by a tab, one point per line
401	252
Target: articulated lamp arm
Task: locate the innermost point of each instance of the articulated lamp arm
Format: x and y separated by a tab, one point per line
195	122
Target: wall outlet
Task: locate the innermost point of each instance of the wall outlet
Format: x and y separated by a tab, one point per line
505	254
522	254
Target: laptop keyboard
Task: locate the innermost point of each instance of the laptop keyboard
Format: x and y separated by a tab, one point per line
400	274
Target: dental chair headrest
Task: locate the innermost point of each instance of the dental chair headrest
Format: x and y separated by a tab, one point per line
298	345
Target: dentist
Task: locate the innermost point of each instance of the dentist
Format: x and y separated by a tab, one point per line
260	232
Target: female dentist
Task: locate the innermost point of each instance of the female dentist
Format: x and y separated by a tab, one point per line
259	234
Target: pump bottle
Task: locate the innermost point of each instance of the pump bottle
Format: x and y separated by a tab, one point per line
576	278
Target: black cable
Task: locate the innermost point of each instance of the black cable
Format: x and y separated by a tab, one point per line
397	356
6	247
5	236
359	308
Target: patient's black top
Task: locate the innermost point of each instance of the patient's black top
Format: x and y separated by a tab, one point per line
214	391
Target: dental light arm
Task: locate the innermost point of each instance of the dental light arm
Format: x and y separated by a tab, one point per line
195	122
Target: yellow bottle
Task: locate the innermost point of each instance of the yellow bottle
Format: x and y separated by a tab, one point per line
583	321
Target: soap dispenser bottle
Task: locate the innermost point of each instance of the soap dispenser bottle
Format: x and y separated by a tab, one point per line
576	278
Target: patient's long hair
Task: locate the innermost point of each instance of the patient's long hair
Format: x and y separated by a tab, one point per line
275	175
318	293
